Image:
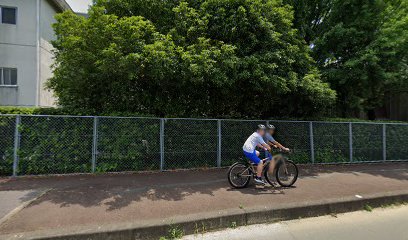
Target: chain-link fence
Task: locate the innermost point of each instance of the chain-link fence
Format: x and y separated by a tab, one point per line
126	144
7	144
32	145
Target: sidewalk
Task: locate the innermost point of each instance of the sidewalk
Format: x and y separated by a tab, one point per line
87	203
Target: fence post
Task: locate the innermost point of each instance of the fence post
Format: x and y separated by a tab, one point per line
16	145
351	141
161	144
219	143
312	153
94	143
384	141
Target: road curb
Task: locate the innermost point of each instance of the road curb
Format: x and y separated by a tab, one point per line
217	220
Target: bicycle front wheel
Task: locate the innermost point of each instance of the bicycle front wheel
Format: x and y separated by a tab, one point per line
286	173
239	175
268	176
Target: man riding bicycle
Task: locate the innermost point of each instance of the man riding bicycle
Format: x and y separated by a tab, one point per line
268	139
284	170
253	141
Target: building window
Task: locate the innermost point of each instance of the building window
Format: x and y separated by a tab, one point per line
8	77
8	15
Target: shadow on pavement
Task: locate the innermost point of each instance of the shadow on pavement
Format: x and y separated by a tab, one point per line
117	191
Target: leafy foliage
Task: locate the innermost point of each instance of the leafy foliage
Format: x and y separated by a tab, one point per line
7	128
345	56
360	47
232	58
392	46
215	58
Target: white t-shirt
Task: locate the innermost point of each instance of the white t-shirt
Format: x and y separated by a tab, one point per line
251	143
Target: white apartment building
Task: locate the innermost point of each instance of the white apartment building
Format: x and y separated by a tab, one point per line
25	50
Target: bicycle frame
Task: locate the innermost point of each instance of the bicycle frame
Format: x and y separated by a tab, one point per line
278	158
251	168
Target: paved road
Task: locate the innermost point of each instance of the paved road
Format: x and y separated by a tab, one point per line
380	224
93	201
13	201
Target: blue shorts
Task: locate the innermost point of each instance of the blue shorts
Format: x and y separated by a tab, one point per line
252	156
268	155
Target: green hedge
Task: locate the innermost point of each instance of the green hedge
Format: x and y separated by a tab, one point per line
63	111
35	111
7	129
74	112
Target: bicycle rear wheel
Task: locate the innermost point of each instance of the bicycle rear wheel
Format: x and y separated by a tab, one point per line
286	173
239	175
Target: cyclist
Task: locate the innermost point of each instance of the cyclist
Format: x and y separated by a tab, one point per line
253	141
268	138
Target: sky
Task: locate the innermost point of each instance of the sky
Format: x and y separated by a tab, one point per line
79	5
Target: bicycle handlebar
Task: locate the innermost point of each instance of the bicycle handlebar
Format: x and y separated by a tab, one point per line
281	150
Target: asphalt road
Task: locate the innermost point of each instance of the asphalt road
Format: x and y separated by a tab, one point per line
81	203
380	224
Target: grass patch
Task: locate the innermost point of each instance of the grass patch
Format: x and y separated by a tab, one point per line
368	208
174	233
396	204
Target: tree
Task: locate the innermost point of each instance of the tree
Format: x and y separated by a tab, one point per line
107	64
392	45
309	16
345	57
273	61
159	12
359	46
215	58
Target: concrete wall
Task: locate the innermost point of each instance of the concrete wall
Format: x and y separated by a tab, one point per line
48	12
24	59
24	32
8	96
46	56
18	49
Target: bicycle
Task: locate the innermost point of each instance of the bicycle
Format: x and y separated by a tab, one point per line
286	172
